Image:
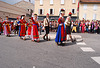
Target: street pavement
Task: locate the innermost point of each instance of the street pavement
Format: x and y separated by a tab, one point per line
84	53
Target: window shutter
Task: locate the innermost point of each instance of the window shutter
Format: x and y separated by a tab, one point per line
42	11
39	11
49	11
74	11
53	11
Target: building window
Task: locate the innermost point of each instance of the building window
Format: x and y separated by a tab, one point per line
51	11
84	16
85	6
41	11
73	1
73	11
41	2
95	7
51	2
94	16
62	1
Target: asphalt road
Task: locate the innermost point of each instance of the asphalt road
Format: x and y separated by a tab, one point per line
16	53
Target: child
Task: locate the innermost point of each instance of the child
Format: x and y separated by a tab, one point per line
29	27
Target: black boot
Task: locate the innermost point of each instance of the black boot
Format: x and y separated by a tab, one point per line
46	38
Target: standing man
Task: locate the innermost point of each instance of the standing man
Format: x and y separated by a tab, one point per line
68	26
16	27
22	29
61	32
7	24
46	25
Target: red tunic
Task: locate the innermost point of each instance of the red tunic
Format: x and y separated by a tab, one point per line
83	27
35	29
12	27
29	28
63	31
7	23
22	27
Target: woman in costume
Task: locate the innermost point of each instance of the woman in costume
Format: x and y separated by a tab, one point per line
83	26
34	30
61	32
7	24
22	28
29	25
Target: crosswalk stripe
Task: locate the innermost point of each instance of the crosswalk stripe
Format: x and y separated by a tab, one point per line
96	59
78	40
87	49
33	66
80	43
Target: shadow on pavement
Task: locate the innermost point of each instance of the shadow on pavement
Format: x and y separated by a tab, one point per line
13	35
68	44
46	41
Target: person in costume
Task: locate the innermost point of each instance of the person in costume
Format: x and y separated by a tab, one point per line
92	26
89	28
46	25
29	25
16	27
7	24
34	30
0	25
12	26
82	26
22	28
61	32
87	25
68	26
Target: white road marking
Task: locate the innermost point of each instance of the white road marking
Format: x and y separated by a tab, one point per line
33	66
79	40
81	43
87	49
96	59
77	36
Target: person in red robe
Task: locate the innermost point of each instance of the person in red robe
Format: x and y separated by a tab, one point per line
29	25
34	31
6	24
82	26
0	25
22	28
